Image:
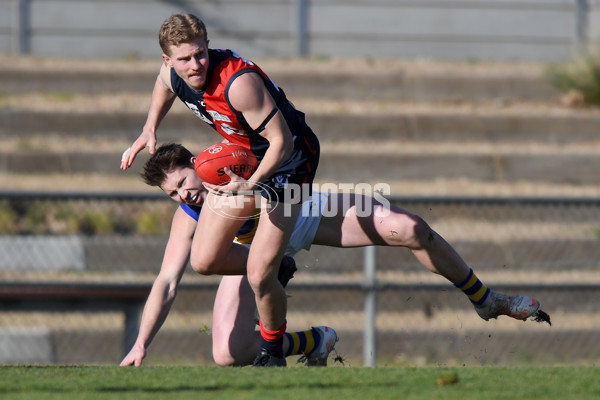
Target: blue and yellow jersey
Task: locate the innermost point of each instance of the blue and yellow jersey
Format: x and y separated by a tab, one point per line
244	235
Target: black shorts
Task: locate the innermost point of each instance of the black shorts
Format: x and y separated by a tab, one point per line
292	182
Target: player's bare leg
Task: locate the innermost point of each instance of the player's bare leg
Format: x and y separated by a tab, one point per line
220	219
274	230
397	227
235	340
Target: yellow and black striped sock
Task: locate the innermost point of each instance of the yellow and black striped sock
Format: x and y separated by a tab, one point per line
303	342
475	290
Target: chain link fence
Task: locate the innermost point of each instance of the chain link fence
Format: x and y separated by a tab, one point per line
76	269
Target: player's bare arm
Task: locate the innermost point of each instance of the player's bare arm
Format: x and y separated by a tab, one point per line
164	288
160	104
249	95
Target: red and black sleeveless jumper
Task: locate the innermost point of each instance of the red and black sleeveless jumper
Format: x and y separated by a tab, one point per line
211	104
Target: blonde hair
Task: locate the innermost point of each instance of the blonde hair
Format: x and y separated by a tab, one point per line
180	28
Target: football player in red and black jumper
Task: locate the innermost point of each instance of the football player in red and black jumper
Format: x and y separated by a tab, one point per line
237	99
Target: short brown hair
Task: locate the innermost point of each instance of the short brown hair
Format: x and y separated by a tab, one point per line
180	28
167	157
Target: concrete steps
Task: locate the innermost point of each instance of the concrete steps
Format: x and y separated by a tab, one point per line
546	146
437	123
415	123
360	162
362	79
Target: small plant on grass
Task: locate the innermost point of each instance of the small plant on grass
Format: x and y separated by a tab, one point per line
149	224
94	223
34	220
8	219
579	77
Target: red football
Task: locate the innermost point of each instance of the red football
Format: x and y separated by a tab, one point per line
210	163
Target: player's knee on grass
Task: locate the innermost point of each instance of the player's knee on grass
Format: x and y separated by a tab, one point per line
223	357
228	354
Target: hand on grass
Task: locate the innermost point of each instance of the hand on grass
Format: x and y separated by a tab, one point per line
135	357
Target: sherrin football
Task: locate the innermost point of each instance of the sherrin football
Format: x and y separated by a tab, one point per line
211	162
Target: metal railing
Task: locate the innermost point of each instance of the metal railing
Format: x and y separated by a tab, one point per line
300	33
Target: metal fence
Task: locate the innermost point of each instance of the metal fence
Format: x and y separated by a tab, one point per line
76	268
540	30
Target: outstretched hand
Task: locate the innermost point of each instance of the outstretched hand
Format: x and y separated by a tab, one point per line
146	139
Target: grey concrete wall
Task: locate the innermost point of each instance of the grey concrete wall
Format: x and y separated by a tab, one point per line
26	345
45	253
537	30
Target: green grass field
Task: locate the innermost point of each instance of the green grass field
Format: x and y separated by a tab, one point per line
547	383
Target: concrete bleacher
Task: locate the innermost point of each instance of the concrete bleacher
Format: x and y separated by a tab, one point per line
457	122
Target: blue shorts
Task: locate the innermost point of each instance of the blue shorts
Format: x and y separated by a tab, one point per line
306	225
